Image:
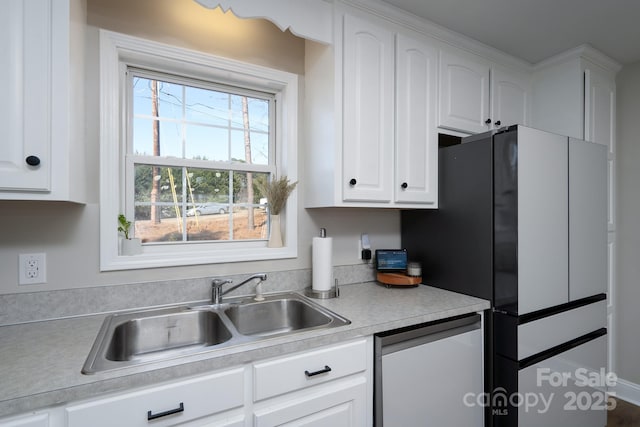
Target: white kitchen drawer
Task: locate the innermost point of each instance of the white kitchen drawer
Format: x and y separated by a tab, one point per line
39	420
198	397
286	374
542	334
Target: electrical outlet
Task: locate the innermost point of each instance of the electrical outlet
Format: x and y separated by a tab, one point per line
32	269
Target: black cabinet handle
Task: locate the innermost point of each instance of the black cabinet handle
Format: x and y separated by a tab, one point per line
498	123
321	371
32	160
152	416
488	121
352	182
404	185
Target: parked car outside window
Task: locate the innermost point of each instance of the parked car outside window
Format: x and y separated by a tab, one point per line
209	209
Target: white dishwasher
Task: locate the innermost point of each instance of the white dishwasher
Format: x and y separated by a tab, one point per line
430	374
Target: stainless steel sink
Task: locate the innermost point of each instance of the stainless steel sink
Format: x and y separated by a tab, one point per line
144	337
134	338
279	316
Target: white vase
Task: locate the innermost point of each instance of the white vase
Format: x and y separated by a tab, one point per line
131	247
275	234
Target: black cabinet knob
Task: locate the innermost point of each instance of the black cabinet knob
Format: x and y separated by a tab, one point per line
488	121
352	182
404	185
32	160
498	123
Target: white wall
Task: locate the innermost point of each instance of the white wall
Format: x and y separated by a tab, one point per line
68	233
628	227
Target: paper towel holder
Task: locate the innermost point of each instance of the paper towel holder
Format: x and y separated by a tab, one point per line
331	293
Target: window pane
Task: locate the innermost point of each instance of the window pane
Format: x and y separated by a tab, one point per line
175	204
207	143
169	138
143	137
199	123
207	106
168	97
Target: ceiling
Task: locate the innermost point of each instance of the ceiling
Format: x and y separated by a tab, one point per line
534	30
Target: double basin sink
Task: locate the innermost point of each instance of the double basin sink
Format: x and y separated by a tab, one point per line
155	335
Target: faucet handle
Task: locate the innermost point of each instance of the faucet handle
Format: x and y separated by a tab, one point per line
216	283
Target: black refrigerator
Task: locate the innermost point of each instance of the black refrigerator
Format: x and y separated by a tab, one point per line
522	222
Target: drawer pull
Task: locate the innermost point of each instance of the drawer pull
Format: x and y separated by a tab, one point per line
152	416
321	371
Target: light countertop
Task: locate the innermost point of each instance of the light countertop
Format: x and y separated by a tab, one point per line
41	362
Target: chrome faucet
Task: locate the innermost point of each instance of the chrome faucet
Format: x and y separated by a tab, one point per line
216	286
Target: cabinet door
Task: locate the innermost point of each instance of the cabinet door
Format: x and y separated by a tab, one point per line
599	107
25	81
543	213
464	92
368	91
416	162
340	404
510	98
587	219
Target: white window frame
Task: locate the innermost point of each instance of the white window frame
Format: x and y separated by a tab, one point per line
117	53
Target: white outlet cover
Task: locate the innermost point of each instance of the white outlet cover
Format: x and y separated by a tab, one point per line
32	269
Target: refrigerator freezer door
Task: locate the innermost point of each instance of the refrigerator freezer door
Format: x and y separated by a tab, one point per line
587	219
539	335
563	390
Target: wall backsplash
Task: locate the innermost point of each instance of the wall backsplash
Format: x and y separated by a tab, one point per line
37	306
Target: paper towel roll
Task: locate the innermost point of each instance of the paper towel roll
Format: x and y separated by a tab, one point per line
322	263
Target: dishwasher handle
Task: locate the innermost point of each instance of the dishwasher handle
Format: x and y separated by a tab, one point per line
401	339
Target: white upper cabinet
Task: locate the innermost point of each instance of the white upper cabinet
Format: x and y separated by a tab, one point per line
510	97
41	75
25	114
599	107
464	92
476	95
368	91
416	160
370	126
574	95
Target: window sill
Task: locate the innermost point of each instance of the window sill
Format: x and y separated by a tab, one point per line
153	258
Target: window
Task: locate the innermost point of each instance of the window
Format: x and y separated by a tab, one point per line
186	139
198	153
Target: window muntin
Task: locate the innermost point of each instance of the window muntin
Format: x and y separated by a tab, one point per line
196	152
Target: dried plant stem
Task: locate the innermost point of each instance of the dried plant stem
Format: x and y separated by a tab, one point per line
277	192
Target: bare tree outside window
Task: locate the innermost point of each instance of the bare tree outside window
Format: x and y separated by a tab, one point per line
247	156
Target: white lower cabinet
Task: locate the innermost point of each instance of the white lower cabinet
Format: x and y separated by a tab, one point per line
330	386
338	404
176	403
